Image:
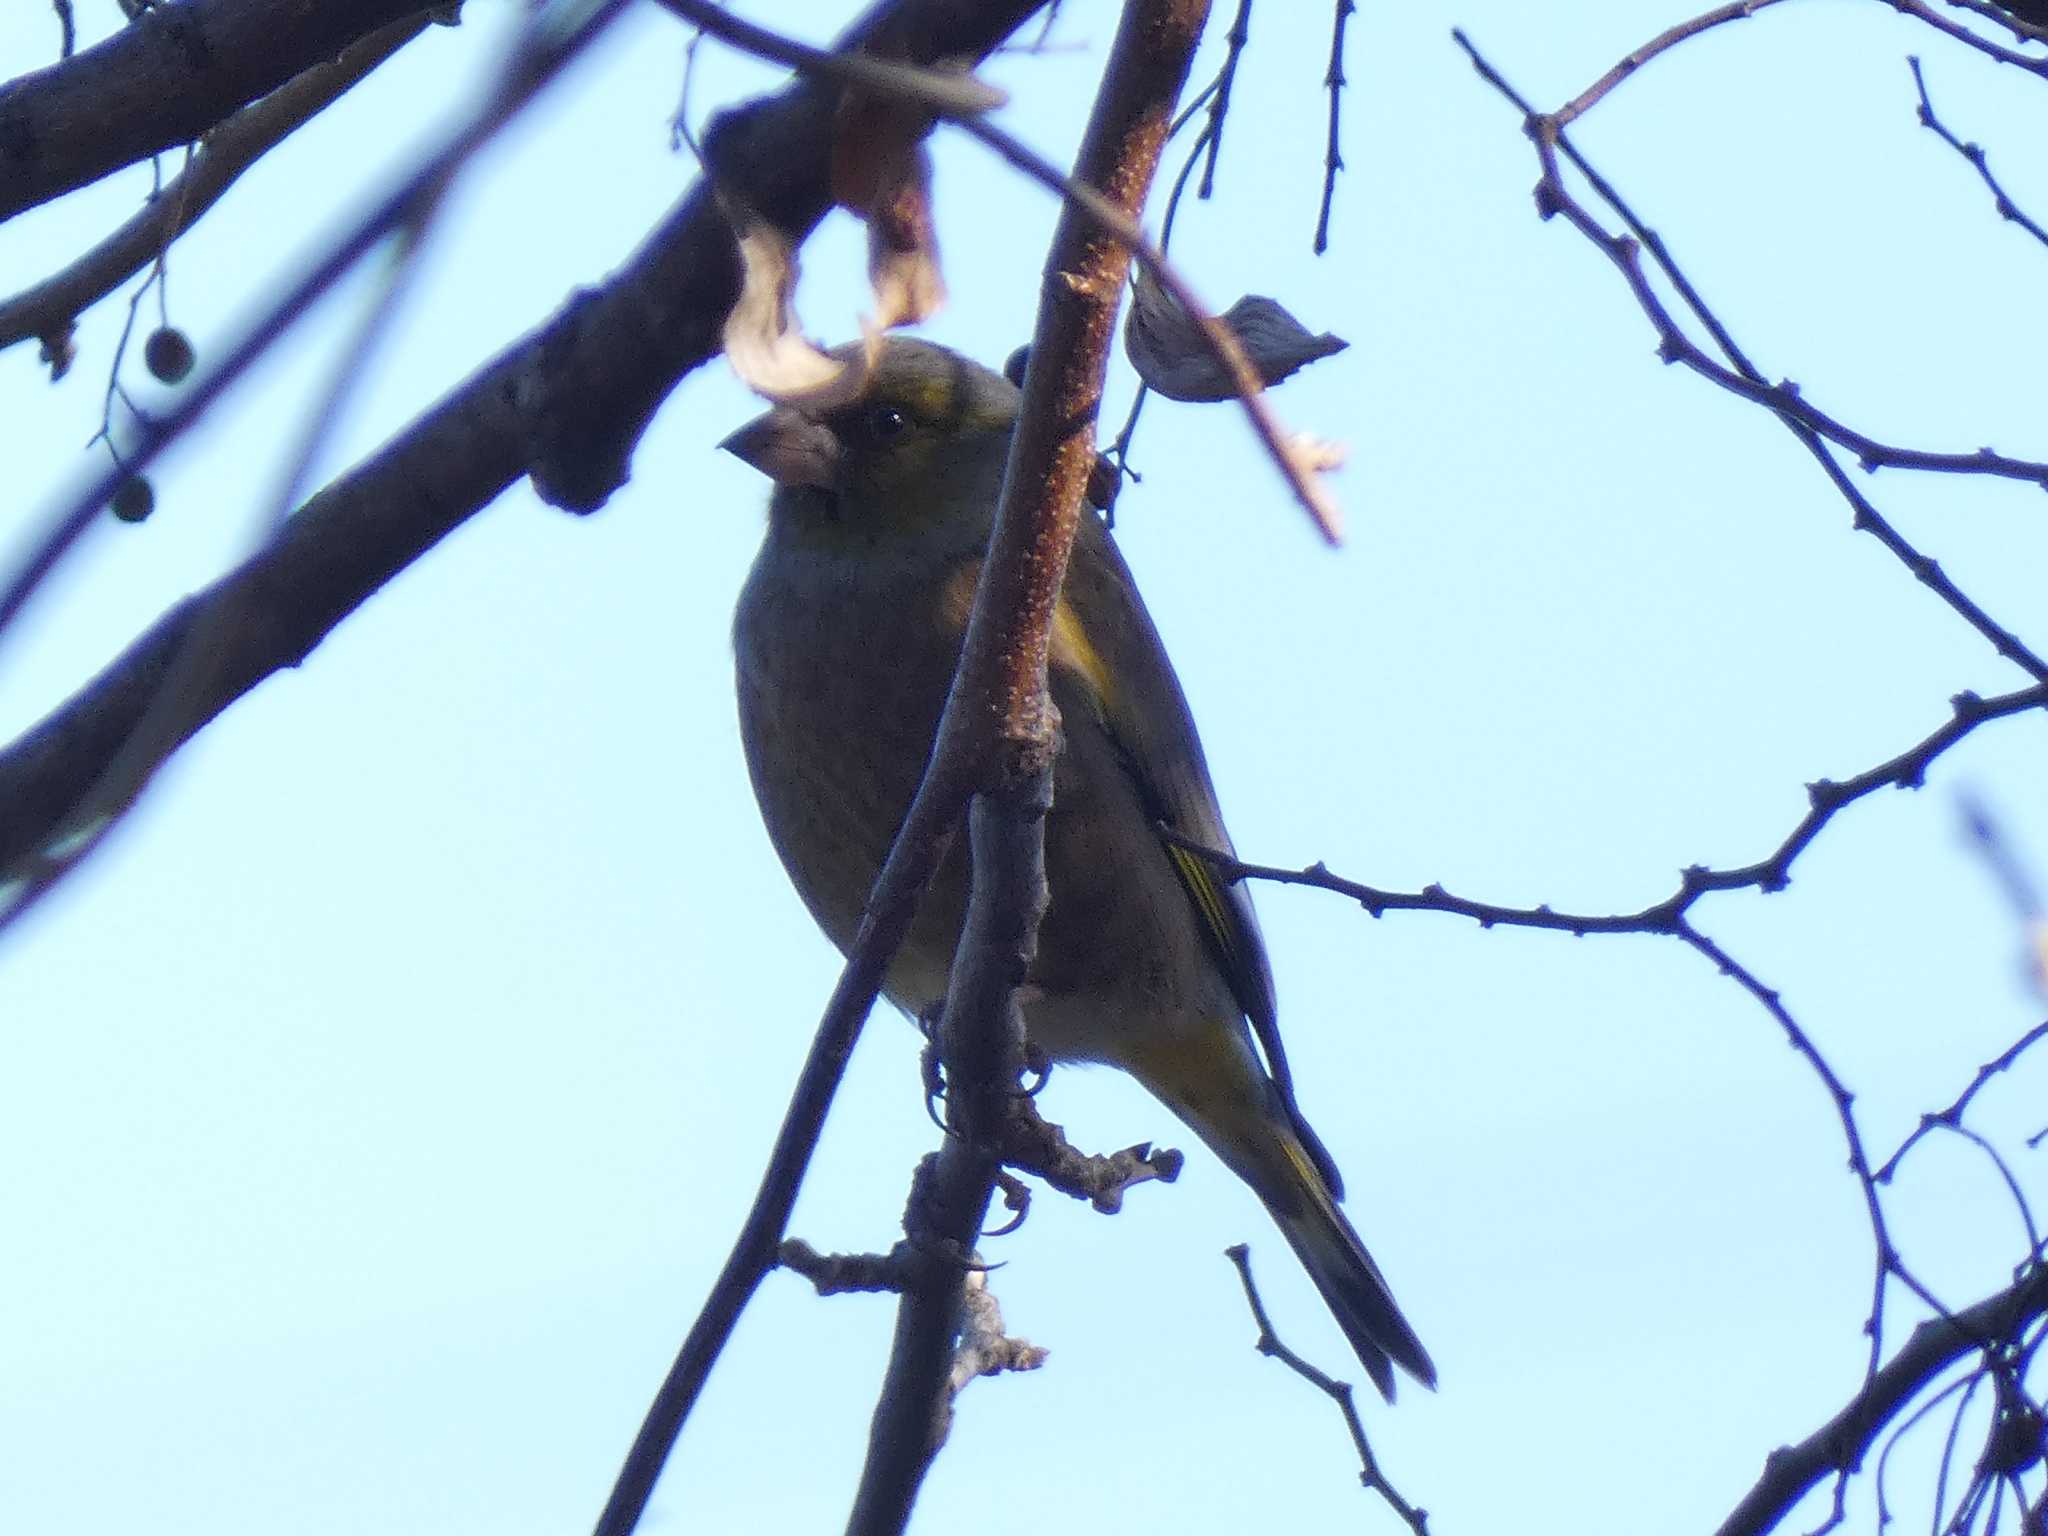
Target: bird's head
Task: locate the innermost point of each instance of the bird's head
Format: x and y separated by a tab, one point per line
921	447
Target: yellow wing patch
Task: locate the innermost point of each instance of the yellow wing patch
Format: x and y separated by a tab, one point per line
1073	651
1211	903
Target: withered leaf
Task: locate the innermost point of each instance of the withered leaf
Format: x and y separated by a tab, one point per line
763	343
1166	346
882	173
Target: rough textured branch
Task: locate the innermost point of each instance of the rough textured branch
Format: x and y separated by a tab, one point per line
998	724
796	138
1841	1444
983	1036
565	403
50	306
161	81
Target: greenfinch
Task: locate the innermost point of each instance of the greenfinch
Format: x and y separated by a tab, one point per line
845	639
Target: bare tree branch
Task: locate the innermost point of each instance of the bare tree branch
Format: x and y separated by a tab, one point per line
49	308
1826	799
1952	1117
565	404
1333	151
1840	1445
163	80
1663	42
1974	155
999	717
1814	429
983	1037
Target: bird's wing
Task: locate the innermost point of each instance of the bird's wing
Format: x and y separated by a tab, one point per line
1102	630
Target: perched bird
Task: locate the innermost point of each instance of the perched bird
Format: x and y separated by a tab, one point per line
846	637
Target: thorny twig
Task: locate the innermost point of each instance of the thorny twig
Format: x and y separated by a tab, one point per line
1333	153
1974	154
1813	428
1370	1473
1952	1117
1826	799
1234	39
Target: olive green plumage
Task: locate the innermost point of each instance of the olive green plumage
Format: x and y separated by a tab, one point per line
846	637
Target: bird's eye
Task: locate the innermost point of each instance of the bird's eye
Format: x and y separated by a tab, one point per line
884	422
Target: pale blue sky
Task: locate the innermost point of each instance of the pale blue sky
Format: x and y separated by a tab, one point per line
378	1108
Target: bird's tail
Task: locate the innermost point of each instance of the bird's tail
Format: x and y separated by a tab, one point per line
1261	1138
1305	1210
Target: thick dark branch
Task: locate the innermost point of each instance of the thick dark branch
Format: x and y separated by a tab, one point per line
1037	1146
835	1274
1841	1444
983	1039
48	309
795	136
161	81
999	723
2024	19
565	404
2027	20
2033	64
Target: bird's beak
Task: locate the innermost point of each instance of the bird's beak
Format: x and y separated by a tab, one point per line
789	447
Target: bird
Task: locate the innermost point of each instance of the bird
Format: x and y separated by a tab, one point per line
845	638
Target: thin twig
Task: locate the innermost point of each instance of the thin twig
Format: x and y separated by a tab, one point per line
1826	799
1370	1474
947	93
1333	147
1636	58
1118	453
1814	429
1234	40
1887	1262
1952	1117
1974	155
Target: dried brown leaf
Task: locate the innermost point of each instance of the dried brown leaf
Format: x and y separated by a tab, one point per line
763	343
882	174
1166	345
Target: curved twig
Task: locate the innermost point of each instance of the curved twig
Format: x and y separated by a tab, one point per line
1826	799
1840	1445
1973	155
1813	428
